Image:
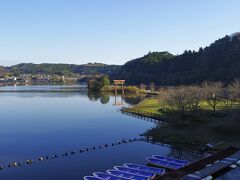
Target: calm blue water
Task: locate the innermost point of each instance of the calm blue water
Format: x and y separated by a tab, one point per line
41	123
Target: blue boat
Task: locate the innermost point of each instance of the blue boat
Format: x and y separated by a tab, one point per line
91	178
165	164
144	168
127	175
168	159
133	171
107	176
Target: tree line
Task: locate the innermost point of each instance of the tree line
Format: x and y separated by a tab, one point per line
218	62
58	69
98	83
211	96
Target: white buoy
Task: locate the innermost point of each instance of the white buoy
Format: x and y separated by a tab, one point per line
15	164
40	158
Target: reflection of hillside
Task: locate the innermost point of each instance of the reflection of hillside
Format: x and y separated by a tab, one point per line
45	94
44	91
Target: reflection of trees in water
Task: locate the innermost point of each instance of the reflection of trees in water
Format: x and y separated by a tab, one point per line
133	99
95	96
190	155
104	99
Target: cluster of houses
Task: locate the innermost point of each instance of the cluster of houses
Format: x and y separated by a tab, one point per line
27	78
35	79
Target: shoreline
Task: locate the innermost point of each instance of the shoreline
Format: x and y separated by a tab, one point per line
194	131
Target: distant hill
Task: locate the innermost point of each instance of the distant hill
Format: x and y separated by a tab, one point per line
62	69
218	62
142	69
3	71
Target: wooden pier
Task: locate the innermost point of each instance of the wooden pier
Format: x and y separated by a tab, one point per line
207	167
150	117
141	113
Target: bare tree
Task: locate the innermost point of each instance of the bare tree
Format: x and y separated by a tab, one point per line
143	86
195	97
178	98
152	86
211	93
234	90
227	98
162	99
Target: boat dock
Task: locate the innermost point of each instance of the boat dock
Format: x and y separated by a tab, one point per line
206	168
167	168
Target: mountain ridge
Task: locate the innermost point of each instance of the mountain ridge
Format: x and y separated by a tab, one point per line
220	61
61	68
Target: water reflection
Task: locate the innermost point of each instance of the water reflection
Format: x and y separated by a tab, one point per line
118	102
38	123
133	99
104	99
93	96
119	99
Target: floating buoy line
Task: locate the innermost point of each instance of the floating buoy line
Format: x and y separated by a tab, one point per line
82	150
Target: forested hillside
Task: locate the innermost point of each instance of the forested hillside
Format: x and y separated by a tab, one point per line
218	62
63	69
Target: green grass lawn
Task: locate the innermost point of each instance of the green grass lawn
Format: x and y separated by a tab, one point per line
188	130
153	105
149	105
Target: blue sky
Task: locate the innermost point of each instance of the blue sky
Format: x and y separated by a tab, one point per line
109	31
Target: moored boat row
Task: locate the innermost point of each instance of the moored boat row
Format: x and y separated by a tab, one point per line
139	172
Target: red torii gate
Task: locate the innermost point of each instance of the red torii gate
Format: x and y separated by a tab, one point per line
119	82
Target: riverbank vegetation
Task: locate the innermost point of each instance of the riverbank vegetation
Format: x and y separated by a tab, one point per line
182	99
197	114
102	84
98	83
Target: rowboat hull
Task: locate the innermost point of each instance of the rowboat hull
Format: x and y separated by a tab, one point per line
91	178
168	159
164	164
144	168
107	176
133	171
127	175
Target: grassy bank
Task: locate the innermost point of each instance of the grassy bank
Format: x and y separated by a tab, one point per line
127	89
194	130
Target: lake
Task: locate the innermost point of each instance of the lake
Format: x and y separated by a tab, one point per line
40	121
46	120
